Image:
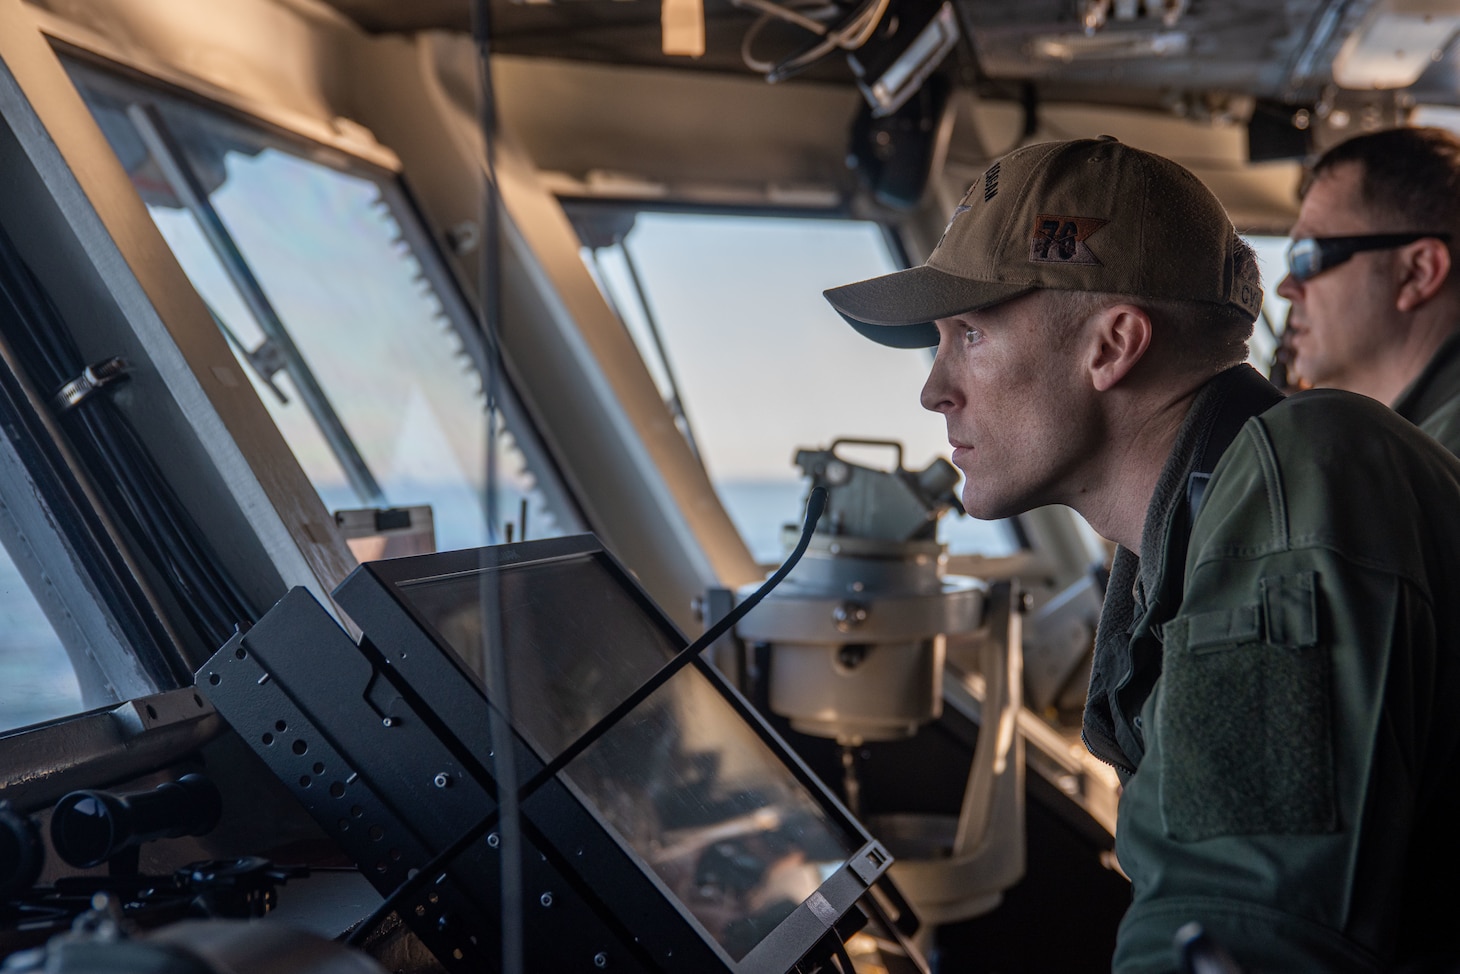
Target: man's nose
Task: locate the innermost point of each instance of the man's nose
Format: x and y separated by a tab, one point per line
937	395
1289	287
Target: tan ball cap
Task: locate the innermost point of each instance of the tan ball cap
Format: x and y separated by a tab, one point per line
1086	215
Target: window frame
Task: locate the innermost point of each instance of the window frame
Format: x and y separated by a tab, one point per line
457	304
580	208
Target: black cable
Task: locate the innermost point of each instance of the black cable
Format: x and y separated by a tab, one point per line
815	505
211	605
149	511
499	717
77	519
212	599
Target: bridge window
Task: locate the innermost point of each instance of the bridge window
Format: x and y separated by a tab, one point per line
37	680
1271	261
727	312
317	271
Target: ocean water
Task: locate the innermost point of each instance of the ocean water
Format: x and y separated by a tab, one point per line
36	679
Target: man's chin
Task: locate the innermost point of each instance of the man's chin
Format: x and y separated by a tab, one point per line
1303	366
989	509
1307	377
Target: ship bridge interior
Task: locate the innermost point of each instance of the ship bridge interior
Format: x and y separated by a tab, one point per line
390	392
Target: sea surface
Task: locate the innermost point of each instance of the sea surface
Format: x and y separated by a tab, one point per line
37	681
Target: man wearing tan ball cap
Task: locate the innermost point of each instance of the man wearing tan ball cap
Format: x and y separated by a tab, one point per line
1277	668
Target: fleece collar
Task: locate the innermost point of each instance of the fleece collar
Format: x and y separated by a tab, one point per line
1145	590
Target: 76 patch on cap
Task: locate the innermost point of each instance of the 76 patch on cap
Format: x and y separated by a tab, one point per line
1061	239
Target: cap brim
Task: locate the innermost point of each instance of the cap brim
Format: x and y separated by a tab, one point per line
899	309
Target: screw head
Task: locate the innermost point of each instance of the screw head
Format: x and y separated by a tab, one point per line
848	616
442	780
546	899
388	722
600	960
494	840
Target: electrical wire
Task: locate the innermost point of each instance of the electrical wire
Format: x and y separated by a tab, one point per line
499	715
771	12
851	35
790	15
815	506
149	511
104	562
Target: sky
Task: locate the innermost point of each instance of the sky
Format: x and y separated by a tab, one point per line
764	363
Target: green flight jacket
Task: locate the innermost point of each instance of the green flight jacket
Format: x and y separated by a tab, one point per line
1432	400
1279	686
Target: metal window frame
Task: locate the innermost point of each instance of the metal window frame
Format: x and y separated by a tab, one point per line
93	248
118	78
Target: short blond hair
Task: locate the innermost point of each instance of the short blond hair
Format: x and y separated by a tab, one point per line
1195	335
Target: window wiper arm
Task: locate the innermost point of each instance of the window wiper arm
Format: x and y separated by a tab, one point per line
266	361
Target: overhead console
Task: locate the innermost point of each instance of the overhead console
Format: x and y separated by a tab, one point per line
684	837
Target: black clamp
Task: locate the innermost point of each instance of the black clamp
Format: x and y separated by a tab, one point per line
91	379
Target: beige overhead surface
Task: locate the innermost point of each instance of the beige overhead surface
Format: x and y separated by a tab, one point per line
1259	197
672	131
214	49
649	133
636	132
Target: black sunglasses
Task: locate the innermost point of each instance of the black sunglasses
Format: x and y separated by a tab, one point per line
1310	256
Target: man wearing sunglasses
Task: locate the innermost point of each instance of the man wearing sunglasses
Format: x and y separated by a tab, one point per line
1375	307
1277	665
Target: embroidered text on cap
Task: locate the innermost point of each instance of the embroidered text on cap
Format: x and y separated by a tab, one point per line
1061	239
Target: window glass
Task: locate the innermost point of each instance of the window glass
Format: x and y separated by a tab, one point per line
763	366
1271	260
37	681
60	636
337	319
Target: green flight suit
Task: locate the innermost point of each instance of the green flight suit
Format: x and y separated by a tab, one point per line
1432	400
1279	686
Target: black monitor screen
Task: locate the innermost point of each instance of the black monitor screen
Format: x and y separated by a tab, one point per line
685	782
577	642
717	816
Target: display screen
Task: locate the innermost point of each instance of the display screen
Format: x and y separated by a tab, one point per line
686	783
717	815
577	642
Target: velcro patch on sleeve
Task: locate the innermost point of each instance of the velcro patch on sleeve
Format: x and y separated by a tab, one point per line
1243	722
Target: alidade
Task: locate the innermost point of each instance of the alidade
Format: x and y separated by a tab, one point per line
857	632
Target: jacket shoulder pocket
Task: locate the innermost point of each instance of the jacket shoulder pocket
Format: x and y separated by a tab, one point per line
1243	717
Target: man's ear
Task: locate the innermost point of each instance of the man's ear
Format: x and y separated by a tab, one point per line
1424	267
1119	338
